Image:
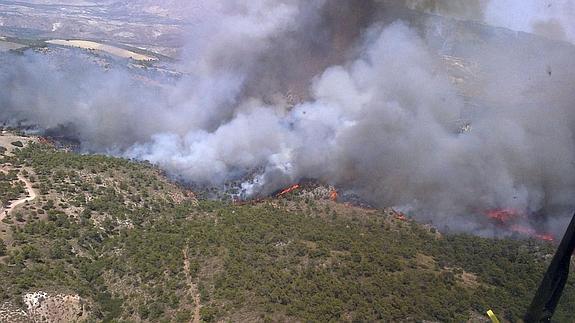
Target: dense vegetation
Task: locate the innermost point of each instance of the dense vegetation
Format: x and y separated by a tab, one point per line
117	233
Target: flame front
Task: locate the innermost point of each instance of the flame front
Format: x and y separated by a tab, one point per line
401	217
504	216
508	218
532	233
333	195
289	190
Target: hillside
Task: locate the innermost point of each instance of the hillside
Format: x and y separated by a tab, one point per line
113	240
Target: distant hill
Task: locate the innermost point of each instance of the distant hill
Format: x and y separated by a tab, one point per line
109	239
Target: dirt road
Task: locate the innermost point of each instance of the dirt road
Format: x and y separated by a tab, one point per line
193	288
30	196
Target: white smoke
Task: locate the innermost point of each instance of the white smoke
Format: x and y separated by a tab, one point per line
381	120
550	18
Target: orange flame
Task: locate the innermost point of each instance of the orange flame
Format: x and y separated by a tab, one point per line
531	232
289	190
508	218
503	215
333	195
401	217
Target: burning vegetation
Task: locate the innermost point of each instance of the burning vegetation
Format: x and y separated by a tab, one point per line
288	190
513	220
333	195
391	105
380	98
139	224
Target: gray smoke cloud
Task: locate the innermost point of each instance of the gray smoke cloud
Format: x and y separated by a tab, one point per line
443	117
549	18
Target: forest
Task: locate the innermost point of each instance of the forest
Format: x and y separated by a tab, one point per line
117	233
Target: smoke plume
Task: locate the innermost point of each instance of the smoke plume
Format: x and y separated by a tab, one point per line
444	117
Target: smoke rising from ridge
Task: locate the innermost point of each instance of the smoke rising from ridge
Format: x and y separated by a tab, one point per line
379	106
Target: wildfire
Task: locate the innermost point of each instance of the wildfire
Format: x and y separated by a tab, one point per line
333	195
508	219
289	190
503	215
401	217
530	232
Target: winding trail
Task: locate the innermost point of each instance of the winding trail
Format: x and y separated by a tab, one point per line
31	196
193	287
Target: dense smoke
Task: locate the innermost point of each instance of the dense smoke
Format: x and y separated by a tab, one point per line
442	117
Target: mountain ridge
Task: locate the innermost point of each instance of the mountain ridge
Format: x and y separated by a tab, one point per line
120	242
